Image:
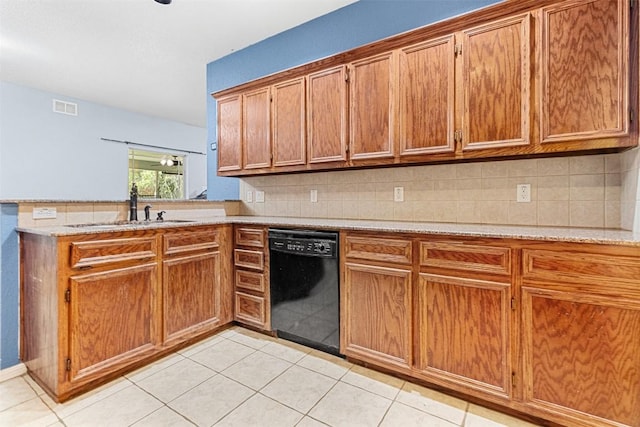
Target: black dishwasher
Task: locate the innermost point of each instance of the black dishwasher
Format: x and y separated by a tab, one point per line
305	287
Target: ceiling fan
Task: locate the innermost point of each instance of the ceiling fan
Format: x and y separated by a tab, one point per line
164	1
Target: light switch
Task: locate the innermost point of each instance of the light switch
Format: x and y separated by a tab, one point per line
259	196
249	198
313	196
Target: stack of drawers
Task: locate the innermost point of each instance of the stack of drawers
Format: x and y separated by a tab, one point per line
251	276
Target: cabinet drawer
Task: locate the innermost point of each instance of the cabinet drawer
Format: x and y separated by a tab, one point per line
593	269
250	309
250	237
100	252
250	280
459	256
375	249
248	259
190	241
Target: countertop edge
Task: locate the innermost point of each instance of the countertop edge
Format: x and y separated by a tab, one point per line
558	234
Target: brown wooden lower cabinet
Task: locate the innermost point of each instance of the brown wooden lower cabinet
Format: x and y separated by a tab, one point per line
547	329
377	314
96	305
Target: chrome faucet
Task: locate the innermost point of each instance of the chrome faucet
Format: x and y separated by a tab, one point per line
133	203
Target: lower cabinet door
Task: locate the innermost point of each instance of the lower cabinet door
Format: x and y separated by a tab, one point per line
376	315
464	333
582	353
191	295
112	320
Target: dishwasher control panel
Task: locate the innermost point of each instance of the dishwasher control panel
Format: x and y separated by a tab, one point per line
310	244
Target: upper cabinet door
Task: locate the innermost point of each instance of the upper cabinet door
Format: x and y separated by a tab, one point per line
256	138
289	148
426	107
230	133
327	115
372	118
496	84
584	70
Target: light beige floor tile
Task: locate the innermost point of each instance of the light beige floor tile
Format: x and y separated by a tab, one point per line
210	401
146	371
256	370
34	385
325	364
373	381
349	406
310	422
291	352
120	409
78	403
261	411
433	402
299	388
406	416
222	355
15	391
198	347
479	416
32	413
163	417
175	380
250	339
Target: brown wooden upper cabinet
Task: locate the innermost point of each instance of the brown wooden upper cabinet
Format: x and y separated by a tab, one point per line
496	84
256	131
289	130
426	76
513	79
327	112
372	108
230	133
584	71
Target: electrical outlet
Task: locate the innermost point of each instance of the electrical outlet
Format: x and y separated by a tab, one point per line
259	196
398	194
44	213
523	193
249	198
313	196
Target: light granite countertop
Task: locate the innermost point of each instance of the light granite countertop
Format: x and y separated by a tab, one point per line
565	234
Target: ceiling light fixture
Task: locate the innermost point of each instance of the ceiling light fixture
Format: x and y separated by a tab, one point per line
163	1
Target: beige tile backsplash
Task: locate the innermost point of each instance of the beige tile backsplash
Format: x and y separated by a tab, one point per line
581	191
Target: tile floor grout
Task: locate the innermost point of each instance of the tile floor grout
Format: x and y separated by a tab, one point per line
216	383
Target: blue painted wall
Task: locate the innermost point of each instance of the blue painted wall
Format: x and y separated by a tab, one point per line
359	23
9	289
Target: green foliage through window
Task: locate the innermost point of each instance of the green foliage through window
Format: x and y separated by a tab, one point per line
157	175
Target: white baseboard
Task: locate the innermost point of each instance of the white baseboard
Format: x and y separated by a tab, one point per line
12	372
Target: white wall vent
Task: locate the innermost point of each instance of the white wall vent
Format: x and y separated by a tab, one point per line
63	107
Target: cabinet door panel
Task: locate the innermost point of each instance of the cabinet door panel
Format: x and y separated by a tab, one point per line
582	354
230	133
191	292
464	329
377	317
112	319
426	81
372	117
585	68
496	74
289	146
256	138
327	116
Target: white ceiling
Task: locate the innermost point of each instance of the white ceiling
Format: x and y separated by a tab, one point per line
137	55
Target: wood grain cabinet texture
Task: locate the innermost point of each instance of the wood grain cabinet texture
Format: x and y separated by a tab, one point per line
96	305
251	299
547	329
515	79
376	301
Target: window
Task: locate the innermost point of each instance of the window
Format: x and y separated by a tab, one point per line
157	175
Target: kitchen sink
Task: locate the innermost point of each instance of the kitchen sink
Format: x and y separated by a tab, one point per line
118	224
